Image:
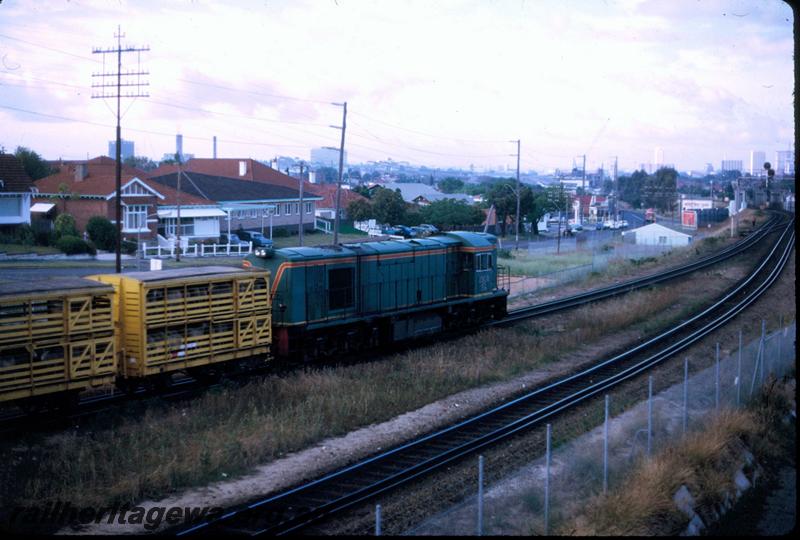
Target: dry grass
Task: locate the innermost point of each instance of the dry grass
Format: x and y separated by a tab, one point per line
704	461
232	429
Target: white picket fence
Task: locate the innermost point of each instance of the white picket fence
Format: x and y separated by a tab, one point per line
197	250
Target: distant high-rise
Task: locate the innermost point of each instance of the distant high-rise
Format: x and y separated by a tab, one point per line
757	159
179	145
658	157
125	152
731	165
784	163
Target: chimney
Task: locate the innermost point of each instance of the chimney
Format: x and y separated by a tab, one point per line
81	171
242	168
215	147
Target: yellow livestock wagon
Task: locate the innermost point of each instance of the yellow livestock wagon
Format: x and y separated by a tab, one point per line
56	336
189	318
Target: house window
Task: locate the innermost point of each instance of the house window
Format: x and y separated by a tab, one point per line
296	208
277	209
662	239
187	226
309	207
135	217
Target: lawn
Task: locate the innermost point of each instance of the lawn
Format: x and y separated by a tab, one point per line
18	249
525	264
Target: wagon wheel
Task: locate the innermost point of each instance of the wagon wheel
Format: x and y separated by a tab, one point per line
205	375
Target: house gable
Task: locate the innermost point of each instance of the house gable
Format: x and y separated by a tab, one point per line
136	188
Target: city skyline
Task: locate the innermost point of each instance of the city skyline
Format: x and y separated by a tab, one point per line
438	85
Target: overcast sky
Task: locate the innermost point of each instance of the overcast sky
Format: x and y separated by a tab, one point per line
444	83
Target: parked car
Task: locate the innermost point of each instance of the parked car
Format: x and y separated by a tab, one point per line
428	227
394	231
421	231
258	239
232	239
407	232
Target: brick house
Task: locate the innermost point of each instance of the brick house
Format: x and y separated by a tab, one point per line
88	188
247	203
326	208
15	192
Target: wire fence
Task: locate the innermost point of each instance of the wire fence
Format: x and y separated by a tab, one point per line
541	496
602	255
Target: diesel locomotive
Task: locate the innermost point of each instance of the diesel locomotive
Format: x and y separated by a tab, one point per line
61	337
328	300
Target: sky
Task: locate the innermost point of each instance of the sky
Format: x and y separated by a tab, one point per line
444	83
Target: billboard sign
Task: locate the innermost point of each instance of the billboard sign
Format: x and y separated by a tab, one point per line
689	219
697	204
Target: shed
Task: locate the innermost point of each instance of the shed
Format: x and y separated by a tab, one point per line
655	234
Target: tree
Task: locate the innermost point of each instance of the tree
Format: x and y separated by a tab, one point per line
388	206
448	214
363	191
503	196
102	232
327	175
35	167
451	185
65	226
660	190
140	162
630	188
360	210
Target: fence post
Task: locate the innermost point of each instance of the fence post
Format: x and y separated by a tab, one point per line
649	414
759	360
480	495
685	393
547	485
739	372
605	449
377	520
716	378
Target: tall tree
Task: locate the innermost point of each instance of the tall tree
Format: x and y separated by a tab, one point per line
388	206
503	196
448	214
660	190
34	165
451	185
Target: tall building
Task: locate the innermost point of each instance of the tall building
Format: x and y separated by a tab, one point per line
784	163
125	152
757	159
731	165
327	157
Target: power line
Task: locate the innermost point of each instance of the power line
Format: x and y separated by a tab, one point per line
428	134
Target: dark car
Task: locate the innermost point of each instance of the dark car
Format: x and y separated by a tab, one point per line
430	228
258	239
232	239
407	232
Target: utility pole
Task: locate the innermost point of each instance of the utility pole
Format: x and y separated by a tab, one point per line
583	172
104	92
517	191
616	189
341	164
302	210
178	200
561	195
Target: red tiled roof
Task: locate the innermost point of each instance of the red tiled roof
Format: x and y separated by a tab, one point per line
328	192
101	181
13	175
229	168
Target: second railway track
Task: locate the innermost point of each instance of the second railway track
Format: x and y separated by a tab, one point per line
308	503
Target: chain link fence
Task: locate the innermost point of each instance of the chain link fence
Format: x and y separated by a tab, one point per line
542	495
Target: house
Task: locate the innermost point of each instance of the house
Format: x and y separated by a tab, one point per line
326	208
593	208
245	203
85	189
655	234
16	189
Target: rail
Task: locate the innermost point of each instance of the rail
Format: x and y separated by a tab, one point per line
341	490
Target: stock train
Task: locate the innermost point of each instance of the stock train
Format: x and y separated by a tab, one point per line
61	337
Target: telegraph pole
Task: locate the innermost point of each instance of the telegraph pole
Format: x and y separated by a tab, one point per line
583	182
302	210
516	222
178	200
137	85
341	164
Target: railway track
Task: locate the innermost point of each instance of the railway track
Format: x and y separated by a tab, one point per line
331	495
186	387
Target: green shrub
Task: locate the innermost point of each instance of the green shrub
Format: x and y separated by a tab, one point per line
102	232
504	253
24	235
65	226
44	237
280	233
128	247
72	245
